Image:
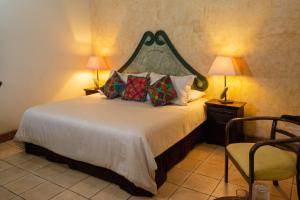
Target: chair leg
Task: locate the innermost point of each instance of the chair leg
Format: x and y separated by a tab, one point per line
250	190
226	168
275	183
250	182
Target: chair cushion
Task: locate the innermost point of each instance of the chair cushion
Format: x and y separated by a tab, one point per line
270	163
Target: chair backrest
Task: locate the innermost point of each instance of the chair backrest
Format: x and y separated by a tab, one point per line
275	130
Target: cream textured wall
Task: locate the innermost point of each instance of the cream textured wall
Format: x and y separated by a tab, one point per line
266	34
45	44
43	49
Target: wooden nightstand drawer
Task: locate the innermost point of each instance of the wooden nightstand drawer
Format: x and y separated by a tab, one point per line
221	111
217	117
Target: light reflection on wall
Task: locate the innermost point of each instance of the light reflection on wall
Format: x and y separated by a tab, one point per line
79	21
80	80
231	30
264	33
103	76
104	28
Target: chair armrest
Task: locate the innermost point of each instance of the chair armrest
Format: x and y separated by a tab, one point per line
257	145
291	118
272	142
231	122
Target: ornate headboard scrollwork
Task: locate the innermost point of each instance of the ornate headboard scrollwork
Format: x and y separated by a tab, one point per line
156	53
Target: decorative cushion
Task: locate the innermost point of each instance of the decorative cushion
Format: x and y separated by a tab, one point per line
113	87
270	163
136	88
182	85
162	91
124	76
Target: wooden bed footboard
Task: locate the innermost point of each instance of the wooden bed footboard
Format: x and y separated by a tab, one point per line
165	161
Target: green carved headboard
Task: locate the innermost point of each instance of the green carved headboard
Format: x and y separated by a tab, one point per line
156	53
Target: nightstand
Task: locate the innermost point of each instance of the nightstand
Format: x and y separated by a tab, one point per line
218	115
89	91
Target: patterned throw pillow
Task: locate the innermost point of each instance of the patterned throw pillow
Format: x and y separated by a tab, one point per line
113	87
162	91
136	88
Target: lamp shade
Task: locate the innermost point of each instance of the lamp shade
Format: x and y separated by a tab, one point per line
223	66
96	62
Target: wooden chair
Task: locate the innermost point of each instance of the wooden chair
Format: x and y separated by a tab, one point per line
274	159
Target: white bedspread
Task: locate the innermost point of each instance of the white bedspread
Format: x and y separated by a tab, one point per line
123	136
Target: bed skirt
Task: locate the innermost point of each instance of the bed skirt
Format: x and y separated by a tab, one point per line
165	161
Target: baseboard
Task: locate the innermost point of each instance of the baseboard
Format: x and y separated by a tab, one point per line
7	136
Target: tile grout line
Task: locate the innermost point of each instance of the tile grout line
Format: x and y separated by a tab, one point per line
173	193
27	189
216	187
69	189
32	172
46	180
78	193
215	152
9	191
31	188
193	172
101	190
194	190
16	178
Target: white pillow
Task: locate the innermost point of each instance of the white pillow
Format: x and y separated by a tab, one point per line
195	94
124	76
182	85
155	77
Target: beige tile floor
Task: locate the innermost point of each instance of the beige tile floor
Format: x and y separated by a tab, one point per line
199	176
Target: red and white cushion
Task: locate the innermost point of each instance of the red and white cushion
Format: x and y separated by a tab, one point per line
136	88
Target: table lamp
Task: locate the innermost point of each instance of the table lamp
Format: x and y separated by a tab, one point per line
224	66
96	63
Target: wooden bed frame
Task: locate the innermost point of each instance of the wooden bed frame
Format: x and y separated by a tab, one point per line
154	53
165	161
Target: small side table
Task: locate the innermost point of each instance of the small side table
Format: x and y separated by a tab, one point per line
89	91
218	115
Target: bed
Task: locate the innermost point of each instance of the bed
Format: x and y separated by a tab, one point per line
116	140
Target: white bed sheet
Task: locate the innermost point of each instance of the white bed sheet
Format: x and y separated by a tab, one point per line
123	136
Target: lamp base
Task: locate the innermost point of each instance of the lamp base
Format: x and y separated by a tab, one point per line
225	101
